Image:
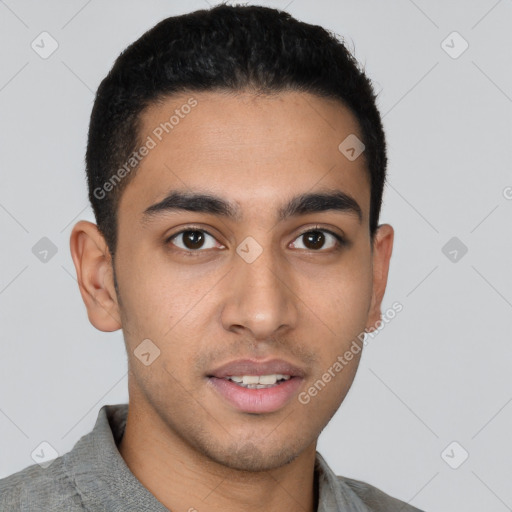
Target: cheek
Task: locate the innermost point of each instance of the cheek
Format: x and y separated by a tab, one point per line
164	306
156	294
354	294
338	311
340	297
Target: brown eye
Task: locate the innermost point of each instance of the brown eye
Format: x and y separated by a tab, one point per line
193	240
316	239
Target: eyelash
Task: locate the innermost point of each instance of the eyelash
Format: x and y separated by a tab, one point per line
341	242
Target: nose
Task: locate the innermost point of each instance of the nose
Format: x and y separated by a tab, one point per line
260	297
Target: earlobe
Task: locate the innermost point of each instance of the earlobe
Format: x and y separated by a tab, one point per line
382	250
93	266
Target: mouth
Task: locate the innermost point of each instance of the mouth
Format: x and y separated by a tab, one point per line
256	387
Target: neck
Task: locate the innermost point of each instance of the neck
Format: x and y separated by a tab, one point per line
183	479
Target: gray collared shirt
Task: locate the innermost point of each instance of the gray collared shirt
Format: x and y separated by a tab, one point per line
93	477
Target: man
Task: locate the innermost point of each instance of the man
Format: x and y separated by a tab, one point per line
236	163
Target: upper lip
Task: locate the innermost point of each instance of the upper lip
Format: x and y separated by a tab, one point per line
253	367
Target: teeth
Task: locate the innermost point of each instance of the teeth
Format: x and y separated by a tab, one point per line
251	379
267	379
258	381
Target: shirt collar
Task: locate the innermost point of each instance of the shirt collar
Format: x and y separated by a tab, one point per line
100	473
334	494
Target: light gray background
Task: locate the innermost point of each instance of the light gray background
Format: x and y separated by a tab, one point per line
438	373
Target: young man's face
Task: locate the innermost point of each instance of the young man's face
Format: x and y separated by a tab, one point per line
259	287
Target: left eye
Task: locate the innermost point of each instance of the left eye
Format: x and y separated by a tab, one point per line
193	240
315	239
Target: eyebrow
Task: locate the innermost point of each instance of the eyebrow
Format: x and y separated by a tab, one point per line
302	204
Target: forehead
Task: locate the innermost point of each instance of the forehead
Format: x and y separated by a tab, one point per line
253	149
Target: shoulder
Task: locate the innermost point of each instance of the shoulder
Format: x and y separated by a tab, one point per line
38	489
375	499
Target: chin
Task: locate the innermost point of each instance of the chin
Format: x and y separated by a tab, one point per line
252	457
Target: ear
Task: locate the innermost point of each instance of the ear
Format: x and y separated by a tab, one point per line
382	249
93	264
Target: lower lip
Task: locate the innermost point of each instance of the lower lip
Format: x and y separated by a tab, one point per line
256	400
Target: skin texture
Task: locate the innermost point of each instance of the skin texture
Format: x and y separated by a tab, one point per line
296	301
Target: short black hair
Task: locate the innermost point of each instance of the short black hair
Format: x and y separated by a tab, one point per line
225	48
